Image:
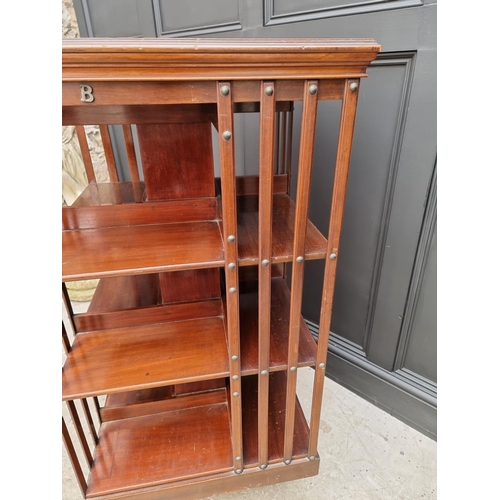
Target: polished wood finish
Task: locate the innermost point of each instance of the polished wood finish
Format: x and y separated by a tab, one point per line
265	200
307	134
282	234
161	441
177	160
124	292
117	251
108	152
132	213
279	325
84	150
223	482
152	355
89	420
65	340
137	114
193	341
184	286
275	422
109	193
158	400
131	156
170	59
145	315
231	250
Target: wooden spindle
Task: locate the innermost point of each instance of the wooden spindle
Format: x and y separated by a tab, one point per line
308	128
97	409
74	458
344	147
84	149
68	307
132	159
289	148
65	340
80	432
108	153
90	421
229	230
266	155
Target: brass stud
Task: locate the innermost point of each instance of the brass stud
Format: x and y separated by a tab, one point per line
231	265
313	89
236	394
293	368
288	462
263	466
353	87
269	91
312	458
224	90
322	365
300	258
333	256
263	372
234	357
265	262
231	238
238	471
238	459
226	135
232	290
235	377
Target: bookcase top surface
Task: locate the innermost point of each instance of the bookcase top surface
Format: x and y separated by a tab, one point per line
101	59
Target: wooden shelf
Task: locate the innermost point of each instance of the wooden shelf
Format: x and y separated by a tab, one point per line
282	232
115	251
149	248
161	448
139	357
276	421
191	440
280	315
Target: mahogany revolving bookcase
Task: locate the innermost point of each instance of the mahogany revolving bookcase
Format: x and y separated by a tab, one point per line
184	366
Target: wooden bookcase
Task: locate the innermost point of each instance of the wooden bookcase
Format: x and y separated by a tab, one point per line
190	347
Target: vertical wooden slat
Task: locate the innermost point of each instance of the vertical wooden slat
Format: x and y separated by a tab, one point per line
84	149
308	127
80	432
90	422
344	147
108	153
74	458
289	149
266	155
68	307
284	137
65	340
97	409
132	160
229	225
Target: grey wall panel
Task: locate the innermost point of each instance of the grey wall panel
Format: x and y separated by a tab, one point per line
371	181
195	17
118	18
417	350
421	353
290	11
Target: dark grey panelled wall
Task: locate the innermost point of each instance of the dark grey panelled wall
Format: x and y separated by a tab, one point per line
383	340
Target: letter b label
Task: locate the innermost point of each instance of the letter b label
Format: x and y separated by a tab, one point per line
87	95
